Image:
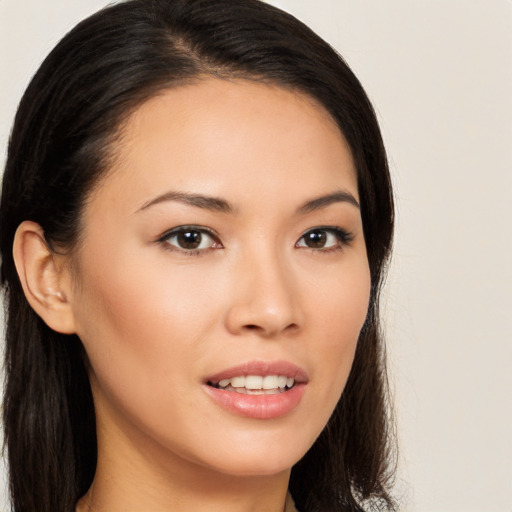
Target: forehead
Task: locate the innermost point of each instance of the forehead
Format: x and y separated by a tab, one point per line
237	138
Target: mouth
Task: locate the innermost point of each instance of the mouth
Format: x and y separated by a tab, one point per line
255	384
258	389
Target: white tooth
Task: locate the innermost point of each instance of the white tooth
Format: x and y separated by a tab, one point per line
224	382
262	391
253	381
281	381
238	382
270	382
289	382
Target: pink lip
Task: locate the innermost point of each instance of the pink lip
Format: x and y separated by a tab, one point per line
259	406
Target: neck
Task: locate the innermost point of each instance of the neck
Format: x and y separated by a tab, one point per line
118	493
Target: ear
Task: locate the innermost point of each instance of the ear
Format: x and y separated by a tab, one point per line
44	278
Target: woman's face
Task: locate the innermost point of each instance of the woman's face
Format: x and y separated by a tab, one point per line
223	253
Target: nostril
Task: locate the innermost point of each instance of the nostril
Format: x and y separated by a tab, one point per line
292	327
269	331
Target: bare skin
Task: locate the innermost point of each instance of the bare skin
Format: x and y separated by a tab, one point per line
264	181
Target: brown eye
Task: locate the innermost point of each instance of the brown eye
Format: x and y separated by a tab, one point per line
315	239
324	238
191	239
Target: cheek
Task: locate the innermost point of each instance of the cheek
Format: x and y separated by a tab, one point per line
145	334
341	312
132	293
141	325
340	303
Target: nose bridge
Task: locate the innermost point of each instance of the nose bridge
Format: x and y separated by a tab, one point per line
265	298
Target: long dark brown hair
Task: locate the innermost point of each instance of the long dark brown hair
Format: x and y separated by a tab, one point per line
64	132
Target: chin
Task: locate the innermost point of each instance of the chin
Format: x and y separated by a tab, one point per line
255	468
257	459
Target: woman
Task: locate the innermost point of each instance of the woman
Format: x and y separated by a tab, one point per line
196	215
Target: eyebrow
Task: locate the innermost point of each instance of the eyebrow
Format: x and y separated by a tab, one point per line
198	200
217	204
339	196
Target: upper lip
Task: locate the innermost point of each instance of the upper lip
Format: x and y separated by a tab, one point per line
261	368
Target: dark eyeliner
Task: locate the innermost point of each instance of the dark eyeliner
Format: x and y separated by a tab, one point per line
163	239
344	237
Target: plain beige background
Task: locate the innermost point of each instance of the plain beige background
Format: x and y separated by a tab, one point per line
440	75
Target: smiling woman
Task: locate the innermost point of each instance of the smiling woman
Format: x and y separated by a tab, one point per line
196	214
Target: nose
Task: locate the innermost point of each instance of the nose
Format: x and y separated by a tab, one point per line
265	300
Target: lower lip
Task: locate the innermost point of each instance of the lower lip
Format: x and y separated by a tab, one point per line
261	407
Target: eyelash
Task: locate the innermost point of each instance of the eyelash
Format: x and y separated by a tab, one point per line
344	238
164	240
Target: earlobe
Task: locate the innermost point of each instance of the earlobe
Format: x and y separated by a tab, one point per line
43	277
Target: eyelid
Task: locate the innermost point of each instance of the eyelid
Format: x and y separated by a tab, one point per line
184	227
163	239
344	237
